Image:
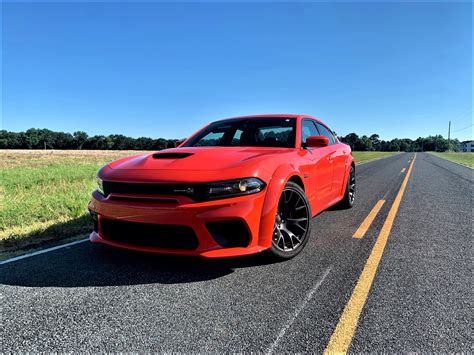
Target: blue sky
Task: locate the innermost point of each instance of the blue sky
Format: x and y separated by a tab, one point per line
166	69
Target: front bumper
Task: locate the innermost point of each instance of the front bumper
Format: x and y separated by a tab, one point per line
183	212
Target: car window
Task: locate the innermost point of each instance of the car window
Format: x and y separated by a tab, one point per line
211	139
324	131
275	136
247	132
308	129
236	139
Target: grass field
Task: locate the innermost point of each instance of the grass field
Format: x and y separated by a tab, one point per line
44	194
364	156
461	158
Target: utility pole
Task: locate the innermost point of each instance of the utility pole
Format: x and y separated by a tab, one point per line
449	134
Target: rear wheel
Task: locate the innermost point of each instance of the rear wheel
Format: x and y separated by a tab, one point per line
292	223
349	196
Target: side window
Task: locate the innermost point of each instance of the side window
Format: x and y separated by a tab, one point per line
236	139
308	129
326	132
273	135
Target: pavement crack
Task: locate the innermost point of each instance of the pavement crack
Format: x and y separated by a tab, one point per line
298	310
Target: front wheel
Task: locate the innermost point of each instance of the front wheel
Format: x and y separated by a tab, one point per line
292	223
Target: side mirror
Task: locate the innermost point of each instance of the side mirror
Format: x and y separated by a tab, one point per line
317	141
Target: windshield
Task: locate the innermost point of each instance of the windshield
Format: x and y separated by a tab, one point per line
247	132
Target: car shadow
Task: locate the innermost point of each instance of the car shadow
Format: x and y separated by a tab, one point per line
45	237
92	265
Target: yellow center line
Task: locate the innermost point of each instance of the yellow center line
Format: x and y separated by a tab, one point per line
342	336
403	170
360	232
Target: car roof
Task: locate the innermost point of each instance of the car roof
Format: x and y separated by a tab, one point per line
268	115
271	115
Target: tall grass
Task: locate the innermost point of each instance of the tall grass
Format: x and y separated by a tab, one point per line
44	194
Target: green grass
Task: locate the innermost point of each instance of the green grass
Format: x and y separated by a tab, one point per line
461	158
364	156
44	195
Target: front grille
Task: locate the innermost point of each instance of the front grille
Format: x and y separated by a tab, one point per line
142	200
144	188
166	236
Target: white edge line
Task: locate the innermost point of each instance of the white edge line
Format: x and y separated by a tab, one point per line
43	251
295	315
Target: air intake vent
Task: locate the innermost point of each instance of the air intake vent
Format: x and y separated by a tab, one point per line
171	155
166	236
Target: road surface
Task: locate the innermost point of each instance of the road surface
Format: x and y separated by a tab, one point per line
94	298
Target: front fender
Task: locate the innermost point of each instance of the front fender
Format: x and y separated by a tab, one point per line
274	189
349	162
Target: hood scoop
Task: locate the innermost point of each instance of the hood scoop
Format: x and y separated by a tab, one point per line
171	155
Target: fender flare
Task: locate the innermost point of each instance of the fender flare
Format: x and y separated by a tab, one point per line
349	163
274	188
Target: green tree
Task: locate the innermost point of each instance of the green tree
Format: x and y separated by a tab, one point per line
80	138
375	139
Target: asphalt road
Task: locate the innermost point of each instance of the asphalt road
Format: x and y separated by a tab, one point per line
94	298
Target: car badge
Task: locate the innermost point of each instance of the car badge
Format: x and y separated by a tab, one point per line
189	190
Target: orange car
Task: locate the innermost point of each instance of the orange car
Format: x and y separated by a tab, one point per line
236	187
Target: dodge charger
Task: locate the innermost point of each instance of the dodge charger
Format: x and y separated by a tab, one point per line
238	186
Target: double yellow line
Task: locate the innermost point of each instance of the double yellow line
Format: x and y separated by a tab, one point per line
342	336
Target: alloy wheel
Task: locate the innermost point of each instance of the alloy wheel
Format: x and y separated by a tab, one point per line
291	222
352	185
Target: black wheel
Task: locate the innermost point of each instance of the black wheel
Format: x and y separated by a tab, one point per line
292	223
349	196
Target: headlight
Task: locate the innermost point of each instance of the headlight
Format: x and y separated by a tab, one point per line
100	185
230	188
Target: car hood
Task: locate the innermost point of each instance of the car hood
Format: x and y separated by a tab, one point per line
197	158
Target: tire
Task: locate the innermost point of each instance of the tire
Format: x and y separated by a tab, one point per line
292	223
350	193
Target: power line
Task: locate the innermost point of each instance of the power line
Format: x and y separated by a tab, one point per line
468	118
463	113
462	129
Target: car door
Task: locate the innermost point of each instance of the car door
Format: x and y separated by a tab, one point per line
320	170
336	158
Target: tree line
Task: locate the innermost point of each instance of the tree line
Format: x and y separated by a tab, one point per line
46	139
373	143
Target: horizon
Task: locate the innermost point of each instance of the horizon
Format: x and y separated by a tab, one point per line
181	138
134	69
